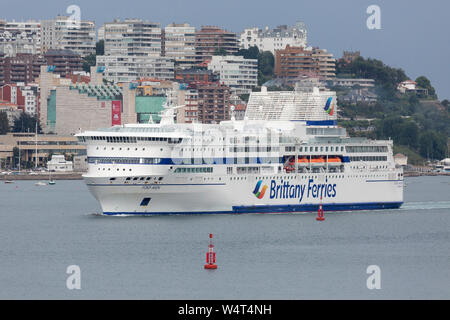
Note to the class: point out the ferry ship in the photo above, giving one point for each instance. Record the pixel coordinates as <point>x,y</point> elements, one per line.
<point>287,155</point>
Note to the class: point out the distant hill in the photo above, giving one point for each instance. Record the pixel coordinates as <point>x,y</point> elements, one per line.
<point>419,125</point>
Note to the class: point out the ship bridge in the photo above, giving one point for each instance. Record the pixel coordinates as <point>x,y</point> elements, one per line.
<point>303,104</point>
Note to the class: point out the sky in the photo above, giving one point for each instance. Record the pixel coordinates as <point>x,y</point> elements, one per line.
<point>414,34</point>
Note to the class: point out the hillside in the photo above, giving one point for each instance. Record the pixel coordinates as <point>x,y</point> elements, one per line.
<point>418,124</point>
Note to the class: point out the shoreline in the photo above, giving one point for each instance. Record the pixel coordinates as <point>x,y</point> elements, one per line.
<point>55,176</point>
<point>420,174</point>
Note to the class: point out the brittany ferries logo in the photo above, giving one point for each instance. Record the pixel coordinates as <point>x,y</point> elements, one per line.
<point>257,193</point>
<point>287,190</point>
<point>329,106</point>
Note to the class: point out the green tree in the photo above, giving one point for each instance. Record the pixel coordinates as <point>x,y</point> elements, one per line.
<point>26,123</point>
<point>220,52</point>
<point>100,48</point>
<point>424,83</point>
<point>88,62</point>
<point>432,145</point>
<point>4,123</point>
<point>250,53</point>
<point>266,64</point>
<point>408,134</point>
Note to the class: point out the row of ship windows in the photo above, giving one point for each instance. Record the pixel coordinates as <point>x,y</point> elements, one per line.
<point>194,170</point>
<point>118,160</point>
<point>369,158</point>
<point>350,149</point>
<point>129,139</point>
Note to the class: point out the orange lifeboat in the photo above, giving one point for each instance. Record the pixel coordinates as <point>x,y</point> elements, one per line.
<point>318,161</point>
<point>302,161</point>
<point>334,161</point>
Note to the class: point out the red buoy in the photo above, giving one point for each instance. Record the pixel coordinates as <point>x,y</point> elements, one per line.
<point>210,255</point>
<point>320,213</point>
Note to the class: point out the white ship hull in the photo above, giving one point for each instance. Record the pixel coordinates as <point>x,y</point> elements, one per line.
<point>358,193</point>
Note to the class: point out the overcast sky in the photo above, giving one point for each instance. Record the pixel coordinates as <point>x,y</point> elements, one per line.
<point>414,34</point>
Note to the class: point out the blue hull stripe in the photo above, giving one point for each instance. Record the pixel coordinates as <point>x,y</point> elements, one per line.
<point>284,208</point>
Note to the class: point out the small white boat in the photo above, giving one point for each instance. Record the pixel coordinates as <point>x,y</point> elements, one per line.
<point>9,181</point>
<point>40,183</point>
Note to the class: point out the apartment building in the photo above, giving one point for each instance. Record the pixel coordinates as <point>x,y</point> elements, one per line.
<point>26,97</point>
<point>209,39</point>
<point>124,68</point>
<point>132,37</point>
<point>189,112</point>
<point>65,33</point>
<point>179,44</point>
<point>293,61</point>
<point>239,74</point>
<point>63,62</point>
<point>274,39</point>
<point>20,37</point>
<point>213,102</point>
<point>22,68</point>
<point>195,75</point>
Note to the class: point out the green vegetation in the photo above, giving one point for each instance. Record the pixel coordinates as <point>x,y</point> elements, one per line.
<point>266,62</point>
<point>100,48</point>
<point>220,52</point>
<point>26,123</point>
<point>91,60</point>
<point>419,125</point>
<point>424,83</point>
<point>4,124</point>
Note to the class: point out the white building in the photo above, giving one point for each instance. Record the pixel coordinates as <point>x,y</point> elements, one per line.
<point>30,94</point>
<point>349,82</point>
<point>20,37</point>
<point>132,37</point>
<point>179,44</point>
<point>400,159</point>
<point>274,39</point>
<point>124,68</point>
<point>66,33</point>
<point>240,74</point>
<point>59,163</point>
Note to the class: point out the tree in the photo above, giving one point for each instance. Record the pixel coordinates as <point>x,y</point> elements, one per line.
<point>250,53</point>
<point>432,145</point>
<point>424,83</point>
<point>100,48</point>
<point>266,64</point>
<point>220,52</point>
<point>88,62</point>
<point>26,123</point>
<point>4,123</point>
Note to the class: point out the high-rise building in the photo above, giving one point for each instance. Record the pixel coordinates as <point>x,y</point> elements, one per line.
<point>213,102</point>
<point>240,74</point>
<point>274,39</point>
<point>132,37</point>
<point>291,62</point>
<point>64,62</point>
<point>2,69</point>
<point>23,68</point>
<point>209,40</point>
<point>179,44</point>
<point>20,37</point>
<point>68,34</point>
<point>122,68</point>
